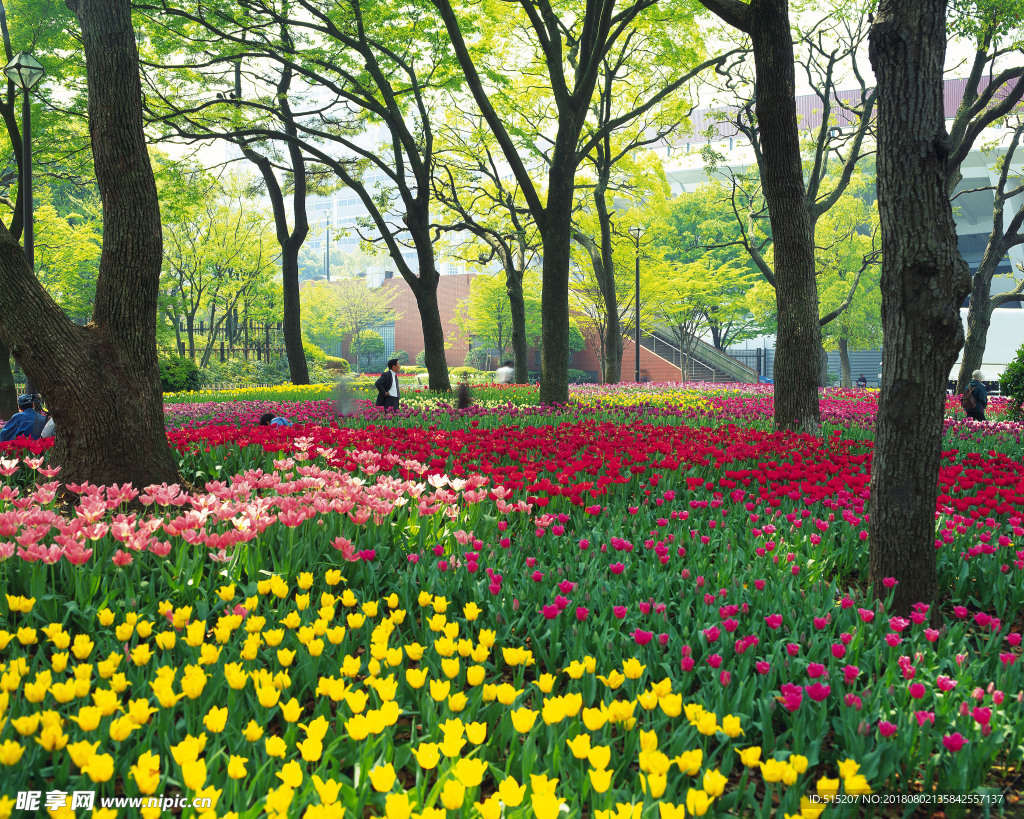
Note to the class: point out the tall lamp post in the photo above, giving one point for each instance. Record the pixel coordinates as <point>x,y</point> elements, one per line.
<point>637,231</point>
<point>25,71</point>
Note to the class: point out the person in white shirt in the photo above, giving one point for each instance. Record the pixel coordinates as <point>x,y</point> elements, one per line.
<point>387,386</point>
<point>505,374</point>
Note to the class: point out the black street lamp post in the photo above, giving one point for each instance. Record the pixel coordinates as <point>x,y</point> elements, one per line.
<point>636,232</point>
<point>25,72</point>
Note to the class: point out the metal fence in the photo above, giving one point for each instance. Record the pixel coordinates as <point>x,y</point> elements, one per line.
<point>761,359</point>
<point>246,340</point>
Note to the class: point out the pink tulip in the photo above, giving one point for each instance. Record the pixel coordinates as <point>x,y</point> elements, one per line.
<point>954,742</point>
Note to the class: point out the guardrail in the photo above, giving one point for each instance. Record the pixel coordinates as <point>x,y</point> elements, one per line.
<point>710,354</point>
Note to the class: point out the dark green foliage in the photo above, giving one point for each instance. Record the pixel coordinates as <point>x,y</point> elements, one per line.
<point>477,358</point>
<point>421,358</point>
<point>179,374</point>
<point>1011,384</point>
<point>578,377</point>
<point>401,355</point>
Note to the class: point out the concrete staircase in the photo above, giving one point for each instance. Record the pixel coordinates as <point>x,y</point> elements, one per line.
<point>706,363</point>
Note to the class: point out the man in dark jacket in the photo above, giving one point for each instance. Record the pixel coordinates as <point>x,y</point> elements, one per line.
<point>980,396</point>
<point>24,422</point>
<point>387,386</point>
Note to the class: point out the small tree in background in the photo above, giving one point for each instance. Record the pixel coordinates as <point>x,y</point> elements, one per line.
<point>366,346</point>
<point>331,310</point>
<point>1011,384</point>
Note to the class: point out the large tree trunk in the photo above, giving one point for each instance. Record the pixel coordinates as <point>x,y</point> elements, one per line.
<point>844,364</point>
<point>8,392</point>
<point>556,230</point>
<point>514,288</point>
<point>799,334</point>
<point>605,275</point>
<point>433,335</point>
<point>190,329</point>
<point>924,281</point>
<point>292,311</point>
<point>102,381</point>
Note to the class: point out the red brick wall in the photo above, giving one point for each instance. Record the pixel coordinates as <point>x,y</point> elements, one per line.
<point>652,367</point>
<point>409,330</point>
<point>451,290</point>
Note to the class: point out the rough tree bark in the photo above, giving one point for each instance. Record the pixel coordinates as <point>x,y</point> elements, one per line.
<point>844,364</point>
<point>8,392</point>
<point>799,334</point>
<point>924,281</point>
<point>102,381</point>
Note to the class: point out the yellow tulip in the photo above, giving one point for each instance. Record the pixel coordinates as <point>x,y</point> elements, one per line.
<point>633,669</point>
<point>291,774</point>
<point>750,757</point>
<point>697,802</point>
<point>476,732</point>
<point>714,782</point>
<point>655,783</point>
<point>600,779</point>
<point>490,808</point>
<point>427,755</point>
<point>599,756</point>
<point>193,774</point>
<point>580,746</point>
<point>523,719</point>
<point>546,805</point>
<point>470,772</point>
<point>439,690</point>
<point>511,792</point>
<point>453,794</point>
<point>236,767</point>
<point>382,778</point>
<point>10,752</point>
<point>398,806</point>
<point>99,768</point>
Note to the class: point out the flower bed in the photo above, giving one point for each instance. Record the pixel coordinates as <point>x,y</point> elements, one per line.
<point>405,620</point>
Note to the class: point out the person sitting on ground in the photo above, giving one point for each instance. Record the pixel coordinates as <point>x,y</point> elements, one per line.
<point>862,382</point>
<point>268,419</point>
<point>24,423</point>
<point>980,396</point>
<point>387,386</point>
<point>505,374</point>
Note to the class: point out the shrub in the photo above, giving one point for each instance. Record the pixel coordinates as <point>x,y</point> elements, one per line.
<point>578,377</point>
<point>340,365</point>
<point>178,374</point>
<point>313,353</point>
<point>402,356</point>
<point>412,370</point>
<point>459,372</point>
<point>421,358</point>
<point>1011,384</point>
<point>477,358</point>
